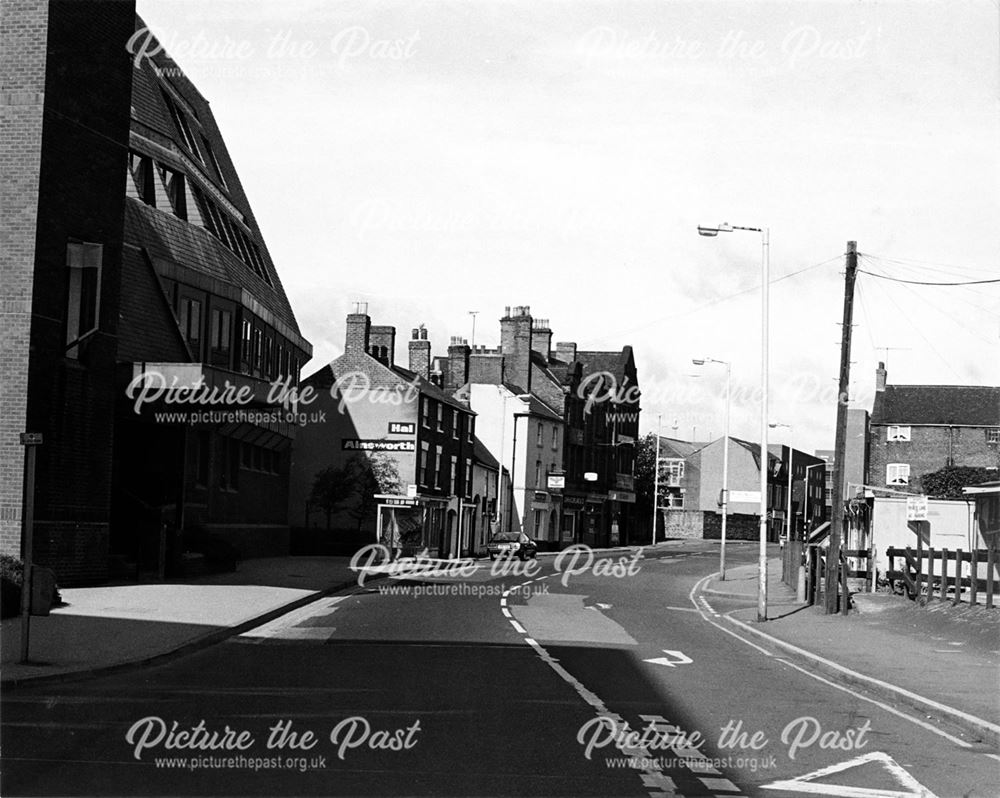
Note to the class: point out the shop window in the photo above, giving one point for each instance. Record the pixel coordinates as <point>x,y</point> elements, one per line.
<point>83,301</point>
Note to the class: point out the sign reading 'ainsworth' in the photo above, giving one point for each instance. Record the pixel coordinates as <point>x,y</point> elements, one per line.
<point>356,444</point>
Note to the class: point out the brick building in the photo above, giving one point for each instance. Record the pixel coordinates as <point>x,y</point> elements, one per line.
<point>144,259</point>
<point>584,421</point>
<point>691,477</point>
<point>375,409</point>
<point>919,429</point>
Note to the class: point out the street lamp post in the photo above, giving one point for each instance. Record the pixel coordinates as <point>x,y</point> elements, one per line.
<point>725,463</point>
<point>765,238</point>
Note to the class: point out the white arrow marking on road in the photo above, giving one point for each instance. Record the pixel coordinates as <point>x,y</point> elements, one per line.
<point>673,658</point>
<point>807,784</point>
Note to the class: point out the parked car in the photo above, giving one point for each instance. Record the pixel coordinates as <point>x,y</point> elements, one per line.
<point>507,544</point>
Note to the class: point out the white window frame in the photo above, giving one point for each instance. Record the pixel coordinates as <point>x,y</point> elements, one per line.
<point>440,417</point>
<point>674,471</point>
<point>897,474</point>
<point>898,433</point>
<point>993,435</point>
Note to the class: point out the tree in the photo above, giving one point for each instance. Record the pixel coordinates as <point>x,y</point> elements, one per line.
<point>332,488</point>
<point>377,473</point>
<point>947,482</point>
<point>645,470</point>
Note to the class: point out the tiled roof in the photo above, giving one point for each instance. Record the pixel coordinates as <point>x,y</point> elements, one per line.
<point>482,455</point>
<point>535,405</point>
<point>379,376</point>
<point>151,119</point>
<point>611,362</point>
<point>965,405</point>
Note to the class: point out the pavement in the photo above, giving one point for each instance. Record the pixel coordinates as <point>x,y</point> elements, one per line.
<point>939,660</point>
<point>102,629</point>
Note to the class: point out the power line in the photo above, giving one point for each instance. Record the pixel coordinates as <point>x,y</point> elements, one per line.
<point>921,334</point>
<point>928,264</point>
<point>924,282</point>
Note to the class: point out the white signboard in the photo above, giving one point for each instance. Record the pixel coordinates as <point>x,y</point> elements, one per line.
<point>916,508</point>
<point>745,496</point>
<point>556,481</point>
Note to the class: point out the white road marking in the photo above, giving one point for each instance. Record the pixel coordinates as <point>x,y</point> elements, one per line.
<point>806,785</point>
<point>673,659</point>
<point>817,677</point>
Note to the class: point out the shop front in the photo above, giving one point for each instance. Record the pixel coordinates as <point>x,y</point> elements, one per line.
<point>411,525</point>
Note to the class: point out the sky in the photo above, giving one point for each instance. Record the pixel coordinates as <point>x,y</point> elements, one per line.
<point>438,158</point>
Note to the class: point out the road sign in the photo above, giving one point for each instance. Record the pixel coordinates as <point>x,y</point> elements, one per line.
<point>672,659</point>
<point>31,439</point>
<point>746,496</point>
<point>807,784</point>
<point>916,508</point>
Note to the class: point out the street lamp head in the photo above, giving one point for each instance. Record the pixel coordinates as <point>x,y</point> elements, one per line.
<point>698,362</point>
<point>709,232</point>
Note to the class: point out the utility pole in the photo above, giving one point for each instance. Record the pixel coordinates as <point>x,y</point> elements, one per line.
<point>840,443</point>
<point>656,478</point>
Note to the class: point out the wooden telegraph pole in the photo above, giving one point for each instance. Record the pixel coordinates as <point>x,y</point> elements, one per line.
<point>840,444</point>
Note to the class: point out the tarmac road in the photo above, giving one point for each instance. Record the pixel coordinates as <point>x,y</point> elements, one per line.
<point>485,685</point>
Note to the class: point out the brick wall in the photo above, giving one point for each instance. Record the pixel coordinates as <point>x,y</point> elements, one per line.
<point>682,524</point>
<point>739,526</point>
<point>23,35</point>
<point>928,450</point>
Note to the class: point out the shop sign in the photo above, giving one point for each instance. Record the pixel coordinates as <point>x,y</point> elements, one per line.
<point>622,496</point>
<point>402,428</point>
<point>399,501</point>
<point>357,445</point>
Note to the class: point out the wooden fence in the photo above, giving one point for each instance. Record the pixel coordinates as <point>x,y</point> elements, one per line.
<point>920,584</point>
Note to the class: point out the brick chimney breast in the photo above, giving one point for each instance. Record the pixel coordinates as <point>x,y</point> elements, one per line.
<point>420,352</point>
<point>358,333</point>
<point>881,375</point>
<point>566,351</point>
<point>382,344</point>
<point>515,344</point>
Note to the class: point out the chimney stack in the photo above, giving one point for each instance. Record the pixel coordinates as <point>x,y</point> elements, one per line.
<point>420,352</point>
<point>566,351</point>
<point>358,329</point>
<point>541,338</point>
<point>515,345</point>
<point>382,344</point>
<point>458,363</point>
<point>880,377</point>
